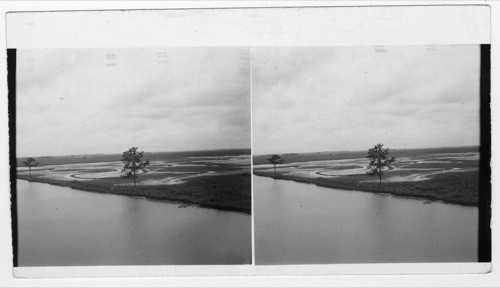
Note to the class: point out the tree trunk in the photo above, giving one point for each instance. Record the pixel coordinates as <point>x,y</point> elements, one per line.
<point>134,178</point>
<point>274,170</point>
<point>379,176</point>
<point>30,173</point>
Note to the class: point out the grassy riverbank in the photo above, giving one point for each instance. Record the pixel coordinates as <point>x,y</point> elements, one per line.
<point>456,188</point>
<point>216,192</point>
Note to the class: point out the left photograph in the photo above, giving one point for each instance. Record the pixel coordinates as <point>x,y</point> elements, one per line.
<point>132,156</point>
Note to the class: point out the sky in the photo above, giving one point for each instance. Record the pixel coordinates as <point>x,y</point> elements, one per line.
<point>312,99</point>
<point>86,101</point>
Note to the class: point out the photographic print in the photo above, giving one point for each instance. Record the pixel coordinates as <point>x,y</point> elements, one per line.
<point>366,154</point>
<point>229,142</point>
<point>135,156</point>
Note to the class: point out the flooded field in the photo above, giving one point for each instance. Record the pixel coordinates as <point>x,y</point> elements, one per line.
<point>450,175</point>
<point>219,179</point>
<point>159,172</point>
<point>406,169</point>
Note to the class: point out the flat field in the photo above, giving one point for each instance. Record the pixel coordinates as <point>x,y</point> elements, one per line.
<point>446,174</point>
<point>218,179</point>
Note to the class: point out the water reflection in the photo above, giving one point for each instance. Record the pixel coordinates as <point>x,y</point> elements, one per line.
<point>58,226</point>
<point>298,223</point>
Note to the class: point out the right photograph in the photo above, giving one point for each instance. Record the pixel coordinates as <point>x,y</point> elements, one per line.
<point>366,154</point>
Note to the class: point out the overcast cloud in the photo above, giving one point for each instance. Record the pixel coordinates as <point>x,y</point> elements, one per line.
<point>311,99</point>
<point>104,101</point>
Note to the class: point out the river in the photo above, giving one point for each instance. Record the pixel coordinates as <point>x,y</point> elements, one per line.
<point>297,223</point>
<point>60,226</point>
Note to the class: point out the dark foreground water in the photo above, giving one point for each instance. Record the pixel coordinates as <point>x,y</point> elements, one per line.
<point>59,226</point>
<point>298,223</point>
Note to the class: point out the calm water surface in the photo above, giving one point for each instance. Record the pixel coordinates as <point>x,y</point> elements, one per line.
<point>298,223</point>
<point>59,226</point>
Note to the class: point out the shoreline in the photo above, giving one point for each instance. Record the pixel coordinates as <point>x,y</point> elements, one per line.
<point>137,193</point>
<point>325,183</point>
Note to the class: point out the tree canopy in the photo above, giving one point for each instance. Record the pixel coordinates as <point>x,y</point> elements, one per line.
<point>133,163</point>
<point>31,162</point>
<point>379,159</point>
<point>275,159</point>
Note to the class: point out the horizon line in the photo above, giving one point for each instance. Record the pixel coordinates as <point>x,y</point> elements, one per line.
<point>249,148</point>
<point>175,151</point>
<point>327,151</point>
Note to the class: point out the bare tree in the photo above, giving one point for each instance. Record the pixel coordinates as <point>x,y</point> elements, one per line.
<point>133,163</point>
<point>275,159</point>
<point>31,162</point>
<point>378,160</point>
